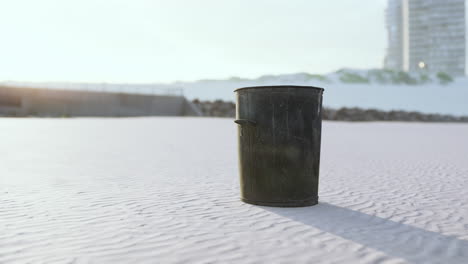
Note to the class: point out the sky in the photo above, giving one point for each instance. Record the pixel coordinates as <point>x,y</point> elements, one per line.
<point>185,40</point>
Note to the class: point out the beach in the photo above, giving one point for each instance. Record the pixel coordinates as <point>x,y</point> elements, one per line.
<point>166,190</point>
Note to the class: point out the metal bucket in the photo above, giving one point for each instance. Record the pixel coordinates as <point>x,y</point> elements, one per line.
<point>279,132</point>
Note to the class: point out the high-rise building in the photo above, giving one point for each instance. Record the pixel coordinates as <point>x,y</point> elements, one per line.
<point>394,21</point>
<point>426,35</point>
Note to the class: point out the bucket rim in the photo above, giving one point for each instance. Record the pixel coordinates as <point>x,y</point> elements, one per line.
<point>281,86</point>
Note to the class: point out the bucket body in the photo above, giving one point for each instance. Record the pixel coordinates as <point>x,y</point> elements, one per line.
<point>279,134</point>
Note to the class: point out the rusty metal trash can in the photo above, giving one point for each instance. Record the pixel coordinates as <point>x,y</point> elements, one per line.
<point>279,135</point>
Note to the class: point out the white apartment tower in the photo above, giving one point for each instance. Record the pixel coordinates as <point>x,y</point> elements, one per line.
<point>426,35</point>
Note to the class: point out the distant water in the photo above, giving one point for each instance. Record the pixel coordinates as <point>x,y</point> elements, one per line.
<point>433,98</point>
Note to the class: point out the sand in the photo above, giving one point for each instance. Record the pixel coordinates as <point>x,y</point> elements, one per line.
<point>165,190</point>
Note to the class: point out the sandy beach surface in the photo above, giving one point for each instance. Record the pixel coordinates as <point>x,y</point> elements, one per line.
<point>165,190</point>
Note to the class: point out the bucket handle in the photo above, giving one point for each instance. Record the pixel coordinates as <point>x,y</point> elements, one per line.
<point>245,122</point>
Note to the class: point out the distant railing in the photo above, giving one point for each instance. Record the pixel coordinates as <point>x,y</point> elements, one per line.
<point>148,89</point>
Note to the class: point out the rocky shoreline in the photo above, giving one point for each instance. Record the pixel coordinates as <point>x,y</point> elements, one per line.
<point>220,108</point>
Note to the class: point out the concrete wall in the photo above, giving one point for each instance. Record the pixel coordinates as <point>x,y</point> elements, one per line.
<point>50,102</point>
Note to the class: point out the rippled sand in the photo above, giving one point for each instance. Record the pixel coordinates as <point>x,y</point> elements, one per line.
<point>165,190</point>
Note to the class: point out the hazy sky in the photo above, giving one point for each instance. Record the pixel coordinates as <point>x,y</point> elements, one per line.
<point>168,40</point>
